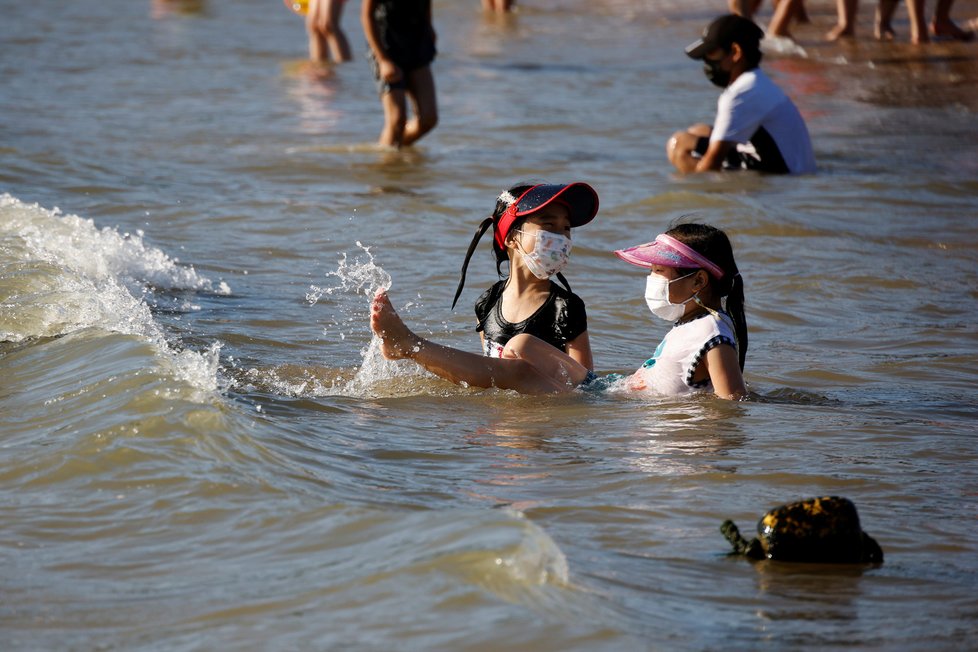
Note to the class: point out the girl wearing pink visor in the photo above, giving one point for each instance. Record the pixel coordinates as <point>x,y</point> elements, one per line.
<point>531,228</point>
<point>693,282</point>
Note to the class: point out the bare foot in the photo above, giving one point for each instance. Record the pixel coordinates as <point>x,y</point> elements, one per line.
<point>884,31</point>
<point>396,339</point>
<point>948,30</point>
<point>916,38</point>
<point>840,31</point>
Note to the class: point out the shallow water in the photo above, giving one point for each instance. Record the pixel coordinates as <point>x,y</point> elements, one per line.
<point>203,448</point>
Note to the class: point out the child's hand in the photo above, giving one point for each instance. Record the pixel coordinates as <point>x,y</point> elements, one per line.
<point>636,382</point>
<point>389,71</point>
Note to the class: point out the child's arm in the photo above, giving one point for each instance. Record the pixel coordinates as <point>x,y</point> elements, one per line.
<point>579,348</point>
<point>389,71</point>
<point>723,367</point>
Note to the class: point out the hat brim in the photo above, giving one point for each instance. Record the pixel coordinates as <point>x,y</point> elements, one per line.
<point>652,254</point>
<point>580,199</point>
<point>699,48</point>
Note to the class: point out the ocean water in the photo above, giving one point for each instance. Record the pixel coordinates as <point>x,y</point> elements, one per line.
<point>201,447</point>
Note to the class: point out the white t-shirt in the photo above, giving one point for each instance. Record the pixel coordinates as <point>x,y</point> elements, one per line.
<point>670,369</point>
<point>754,112</point>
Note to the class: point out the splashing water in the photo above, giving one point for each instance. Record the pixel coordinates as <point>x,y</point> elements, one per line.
<point>355,278</point>
<point>359,277</point>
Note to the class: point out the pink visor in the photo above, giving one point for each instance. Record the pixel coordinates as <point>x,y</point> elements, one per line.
<point>668,252</point>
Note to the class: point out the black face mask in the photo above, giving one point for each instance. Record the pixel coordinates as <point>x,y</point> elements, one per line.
<point>715,74</point>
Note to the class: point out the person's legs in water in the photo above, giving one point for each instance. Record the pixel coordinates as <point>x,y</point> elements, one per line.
<point>395,117</point>
<point>421,89</point>
<point>325,33</point>
<point>943,27</point>
<point>884,20</point>
<point>783,13</point>
<point>846,25</point>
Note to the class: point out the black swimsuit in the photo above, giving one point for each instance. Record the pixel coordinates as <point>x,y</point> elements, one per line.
<point>559,320</point>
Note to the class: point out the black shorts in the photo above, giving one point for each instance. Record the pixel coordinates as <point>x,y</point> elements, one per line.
<point>738,159</point>
<point>384,87</point>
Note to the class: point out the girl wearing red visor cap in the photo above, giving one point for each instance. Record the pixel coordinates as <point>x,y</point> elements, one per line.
<point>691,271</point>
<point>531,228</point>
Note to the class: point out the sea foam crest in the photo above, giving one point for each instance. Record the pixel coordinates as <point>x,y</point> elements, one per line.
<point>60,274</point>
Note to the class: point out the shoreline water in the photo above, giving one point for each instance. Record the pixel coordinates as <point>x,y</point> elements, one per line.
<point>203,450</point>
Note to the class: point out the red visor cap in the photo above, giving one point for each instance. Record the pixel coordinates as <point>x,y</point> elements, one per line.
<point>580,198</point>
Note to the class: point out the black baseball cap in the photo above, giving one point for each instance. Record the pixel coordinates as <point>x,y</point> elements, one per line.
<point>724,32</point>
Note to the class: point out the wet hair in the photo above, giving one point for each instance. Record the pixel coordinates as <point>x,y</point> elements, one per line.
<point>714,244</point>
<point>500,253</point>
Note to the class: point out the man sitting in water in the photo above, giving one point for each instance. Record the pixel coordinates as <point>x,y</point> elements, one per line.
<point>757,126</point>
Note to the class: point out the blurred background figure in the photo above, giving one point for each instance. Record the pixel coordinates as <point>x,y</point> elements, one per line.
<point>326,37</point>
<point>164,8</point>
<point>498,6</point>
<point>402,46</point>
<point>784,12</point>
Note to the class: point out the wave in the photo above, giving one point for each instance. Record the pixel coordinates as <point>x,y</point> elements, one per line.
<point>61,274</point>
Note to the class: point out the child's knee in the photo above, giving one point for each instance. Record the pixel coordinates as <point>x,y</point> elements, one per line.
<point>517,347</point>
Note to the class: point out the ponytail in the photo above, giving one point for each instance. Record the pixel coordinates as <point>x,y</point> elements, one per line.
<point>486,223</point>
<point>734,307</point>
<point>503,202</point>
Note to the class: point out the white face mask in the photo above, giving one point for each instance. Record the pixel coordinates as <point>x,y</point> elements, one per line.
<point>549,256</point>
<point>657,297</point>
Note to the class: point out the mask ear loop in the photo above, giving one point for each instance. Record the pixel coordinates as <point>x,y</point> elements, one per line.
<point>717,315</point>
<point>486,223</point>
<point>563,281</point>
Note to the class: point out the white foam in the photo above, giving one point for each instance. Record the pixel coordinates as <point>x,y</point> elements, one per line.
<point>784,45</point>
<point>60,274</point>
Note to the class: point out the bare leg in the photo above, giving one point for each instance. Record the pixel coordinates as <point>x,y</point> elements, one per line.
<point>323,28</point>
<point>497,6</point>
<point>943,26</point>
<point>884,19</point>
<point>517,373</point>
<point>846,26</point>
<point>421,85</point>
<point>395,118</point>
<point>745,8</point>
<point>918,21</point>
<point>782,18</point>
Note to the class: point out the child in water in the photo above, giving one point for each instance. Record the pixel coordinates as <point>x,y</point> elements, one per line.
<point>531,228</point>
<point>691,271</point>
<point>402,46</point>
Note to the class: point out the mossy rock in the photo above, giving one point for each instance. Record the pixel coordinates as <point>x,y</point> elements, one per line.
<point>815,530</point>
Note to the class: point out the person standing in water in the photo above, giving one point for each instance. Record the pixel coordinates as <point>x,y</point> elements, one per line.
<point>693,281</point>
<point>531,227</point>
<point>498,6</point>
<point>784,12</point>
<point>941,26</point>
<point>757,126</point>
<point>326,37</point>
<point>401,38</point>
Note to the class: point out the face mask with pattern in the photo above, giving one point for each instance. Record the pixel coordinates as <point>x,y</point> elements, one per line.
<point>550,254</point>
